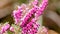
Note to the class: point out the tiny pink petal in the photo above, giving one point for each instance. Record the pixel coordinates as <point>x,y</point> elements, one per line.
<point>12,29</point>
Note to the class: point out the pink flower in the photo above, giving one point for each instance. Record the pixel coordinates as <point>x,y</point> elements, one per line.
<point>28,23</point>
<point>12,29</point>
<point>5,28</point>
<point>35,2</point>
<point>35,11</point>
<point>17,14</point>
<point>45,30</point>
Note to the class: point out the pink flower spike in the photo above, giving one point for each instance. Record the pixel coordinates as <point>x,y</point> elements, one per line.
<point>12,29</point>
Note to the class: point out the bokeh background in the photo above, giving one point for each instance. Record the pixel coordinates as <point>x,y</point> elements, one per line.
<point>50,17</point>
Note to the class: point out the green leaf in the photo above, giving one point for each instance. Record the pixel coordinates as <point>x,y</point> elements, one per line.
<point>22,1</point>
<point>9,32</point>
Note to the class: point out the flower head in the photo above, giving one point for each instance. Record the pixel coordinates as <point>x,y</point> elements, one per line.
<point>12,29</point>
<point>5,28</point>
<point>29,23</point>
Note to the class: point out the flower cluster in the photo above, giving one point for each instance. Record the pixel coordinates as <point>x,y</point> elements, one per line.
<point>31,28</point>
<point>28,22</point>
